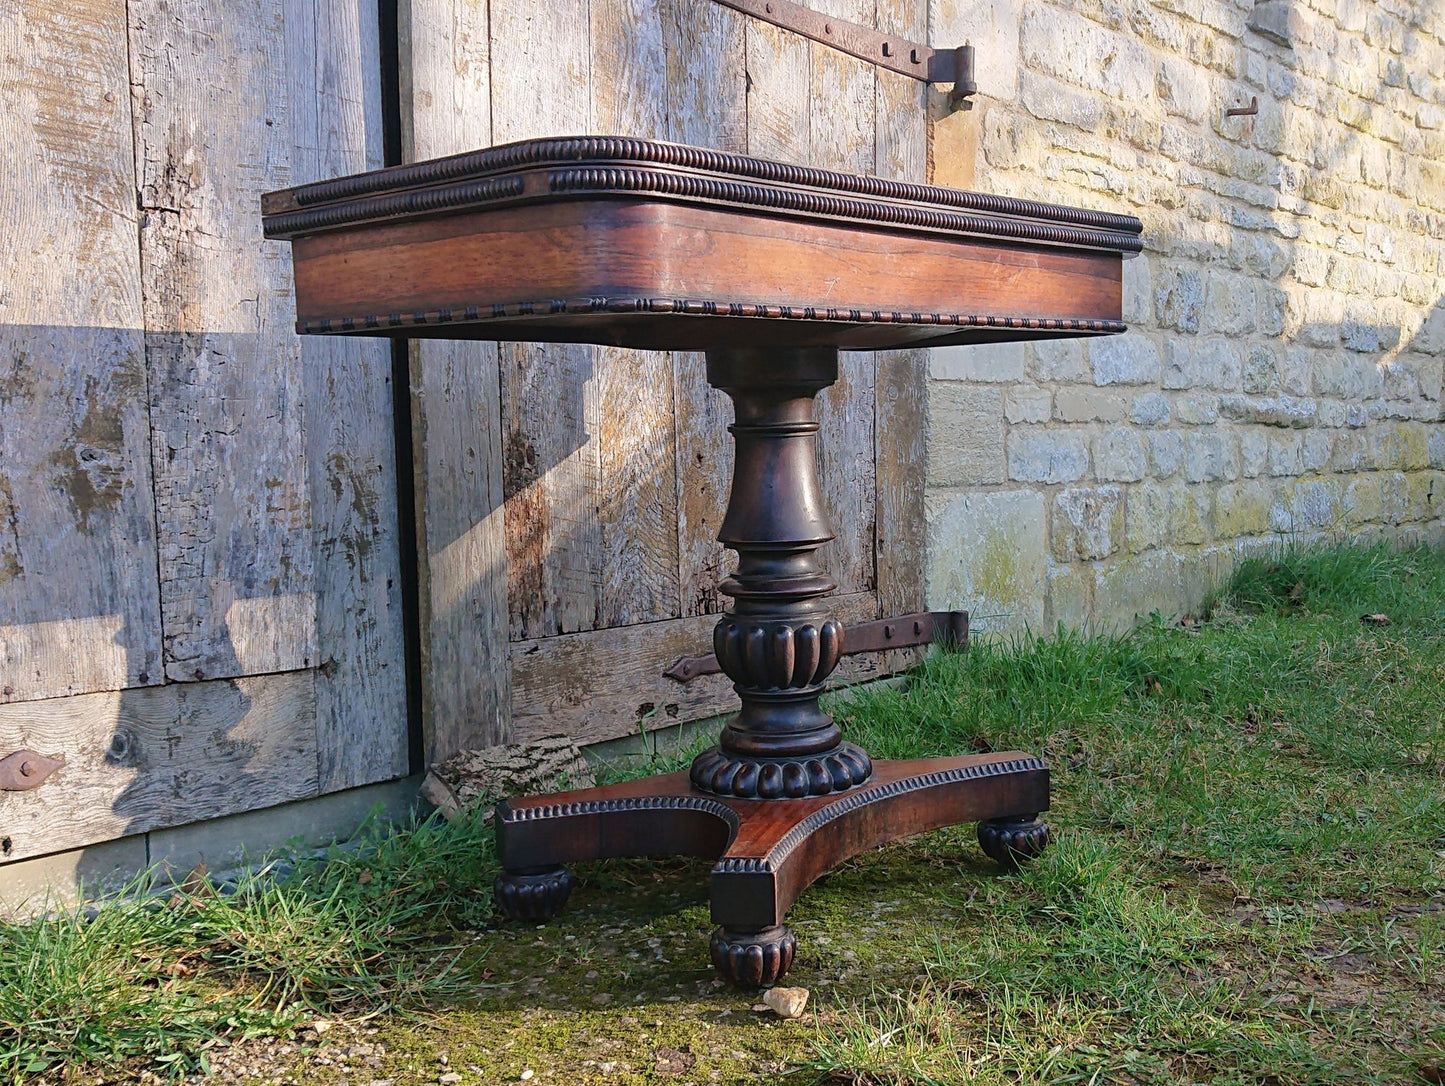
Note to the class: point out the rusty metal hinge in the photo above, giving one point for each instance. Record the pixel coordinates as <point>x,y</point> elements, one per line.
<point>24,770</point>
<point>885,50</point>
<point>903,632</point>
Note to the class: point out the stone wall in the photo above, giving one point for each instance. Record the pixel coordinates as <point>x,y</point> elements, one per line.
<point>1282,374</point>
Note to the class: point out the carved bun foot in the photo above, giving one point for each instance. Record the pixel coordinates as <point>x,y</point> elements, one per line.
<point>538,896</point>
<point>724,774</point>
<point>753,959</point>
<point>1011,841</point>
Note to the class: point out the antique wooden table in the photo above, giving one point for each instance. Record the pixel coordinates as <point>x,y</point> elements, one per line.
<point>770,269</point>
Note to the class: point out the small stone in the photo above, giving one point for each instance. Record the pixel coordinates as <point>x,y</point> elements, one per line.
<point>527,1073</point>
<point>449,1077</point>
<point>320,1026</point>
<point>786,1002</point>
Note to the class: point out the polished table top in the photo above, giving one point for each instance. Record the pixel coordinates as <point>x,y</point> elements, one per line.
<point>638,243</point>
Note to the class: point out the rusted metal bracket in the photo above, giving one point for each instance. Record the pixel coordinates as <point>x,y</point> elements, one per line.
<point>885,50</point>
<point>905,631</point>
<point>24,770</point>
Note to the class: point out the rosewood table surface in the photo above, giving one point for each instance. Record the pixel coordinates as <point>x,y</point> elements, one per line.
<point>770,269</point>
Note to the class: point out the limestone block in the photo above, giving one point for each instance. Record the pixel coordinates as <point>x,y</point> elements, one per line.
<point>1424,495</point>
<point>1308,505</point>
<point>1362,500</point>
<point>1129,589</point>
<point>1215,363</point>
<point>1436,448</point>
<point>1253,453</point>
<point>1049,100</point>
<point>1286,411</point>
<point>1166,452</point>
<point>992,27</point>
<point>1281,21</point>
<point>1036,455</point>
<point>977,362</point>
<point>1261,370</point>
<point>1286,454</point>
<point>1120,455</point>
<point>1230,306</point>
<point>1130,359</point>
<point>1069,594</point>
<point>1183,88</point>
<point>1022,404</point>
<point>1089,405</point>
<point>986,553</point>
<point>1149,409</point>
<point>1175,514</point>
<point>1347,376</point>
<point>1058,360</point>
<point>1179,299</point>
<point>1242,509</point>
<point>1076,50</point>
<point>1138,285</point>
<point>965,434</point>
<point>1351,453</point>
<point>1211,455</point>
<point>1088,522</point>
<point>1316,447</point>
<point>1197,409</point>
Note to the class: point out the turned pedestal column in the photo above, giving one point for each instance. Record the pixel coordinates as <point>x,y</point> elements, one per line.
<point>778,641</point>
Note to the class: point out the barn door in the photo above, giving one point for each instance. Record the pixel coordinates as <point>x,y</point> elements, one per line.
<point>199,570</point>
<point>569,497</point>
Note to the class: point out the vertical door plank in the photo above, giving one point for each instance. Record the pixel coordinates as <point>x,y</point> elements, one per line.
<point>707,107</point>
<point>900,438</point>
<point>361,714</point>
<point>637,470</point>
<point>542,86</point>
<point>225,369</point>
<point>841,137</point>
<point>456,411</point>
<point>79,600</point>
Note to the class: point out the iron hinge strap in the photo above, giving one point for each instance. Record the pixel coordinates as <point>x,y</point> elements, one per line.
<point>889,51</point>
<point>902,632</point>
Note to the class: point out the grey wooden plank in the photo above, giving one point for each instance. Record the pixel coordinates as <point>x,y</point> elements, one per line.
<point>225,370</point>
<point>707,107</point>
<point>361,709</point>
<point>446,107</point>
<point>542,85</point>
<point>900,427</point>
<point>841,134</point>
<point>604,684</point>
<point>636,494</point>
<point>79,599</point>
<point>159,756</point>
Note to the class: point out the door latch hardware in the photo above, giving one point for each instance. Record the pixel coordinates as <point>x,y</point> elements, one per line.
<point>885,50</point>
<point>24,770</point>
<point>905,631</point>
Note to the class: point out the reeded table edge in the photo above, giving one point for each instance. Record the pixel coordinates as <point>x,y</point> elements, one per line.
<point>570,168</point>
<point>481,314</point>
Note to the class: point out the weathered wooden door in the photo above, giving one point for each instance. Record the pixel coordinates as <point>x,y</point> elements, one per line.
<point>569,497</point>
<point>199,573</point>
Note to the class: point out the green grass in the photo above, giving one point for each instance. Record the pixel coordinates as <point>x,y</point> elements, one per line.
<point>1248,886</point>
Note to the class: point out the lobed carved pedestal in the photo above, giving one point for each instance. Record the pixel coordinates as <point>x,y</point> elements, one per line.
<point>783,797</point>
<point>771,269</point>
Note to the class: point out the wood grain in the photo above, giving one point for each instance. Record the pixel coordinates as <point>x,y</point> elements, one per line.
<point>900,419</point>
<point>446,107</point>
<point>841,91</point>
<point>636,494</point>
<point>159,756</point>
<point>708,107</point>
<point>542,85</point>
<point>79,602</point>
<point>361,712</point>
<point>604,684</point>
<point>225,371</point>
